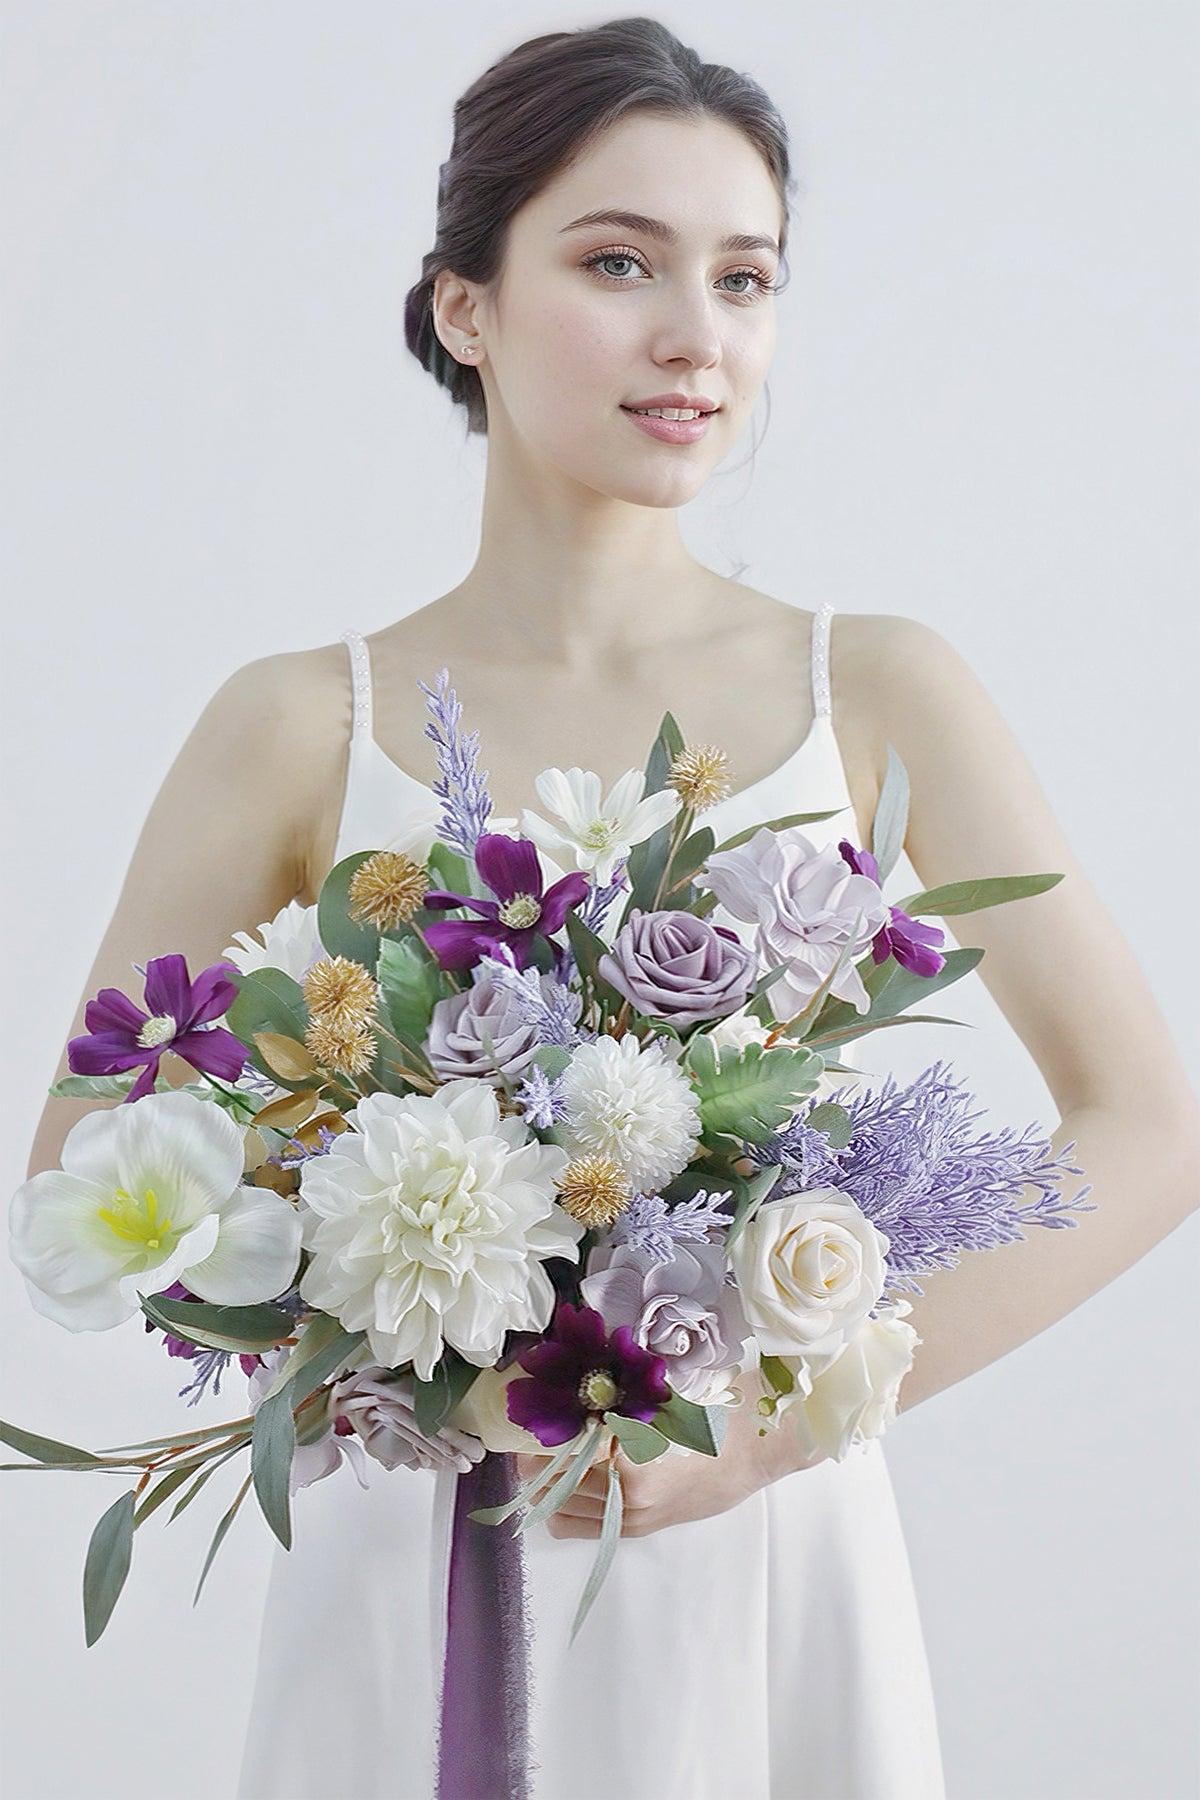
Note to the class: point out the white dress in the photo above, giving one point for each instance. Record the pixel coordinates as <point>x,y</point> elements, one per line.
<point>770,1652</point>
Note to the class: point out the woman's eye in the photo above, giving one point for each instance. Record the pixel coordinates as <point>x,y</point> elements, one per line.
<point>761,280</point>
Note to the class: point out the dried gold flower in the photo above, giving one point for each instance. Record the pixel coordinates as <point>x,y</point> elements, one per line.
<point>387,889</point>
<point>700,776</point>
<point>341,993</point>
<point>350,1050</point>
<point>594,1190</point>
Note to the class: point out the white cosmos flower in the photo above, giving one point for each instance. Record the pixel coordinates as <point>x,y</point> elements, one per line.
<point>597,833</point>
<point>429,1223</point>
<point>149,1193</point>
<point>630,1101</point>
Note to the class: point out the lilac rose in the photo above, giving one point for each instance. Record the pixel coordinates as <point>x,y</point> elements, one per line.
<point>684,1310</point>
<point>482,1032</point>
<point>677,967</point>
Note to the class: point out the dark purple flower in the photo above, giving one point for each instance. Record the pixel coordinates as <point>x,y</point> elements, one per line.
<point>120,1035</point>
<point>520,913</point>
<point>578,1372</point>
<point>908,940</point>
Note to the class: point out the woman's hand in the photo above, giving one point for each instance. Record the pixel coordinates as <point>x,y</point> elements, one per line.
<point>675,1488</point>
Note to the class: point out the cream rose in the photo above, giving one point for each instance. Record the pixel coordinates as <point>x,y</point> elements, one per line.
<point>809,1268</point>
<point>853,1396</point>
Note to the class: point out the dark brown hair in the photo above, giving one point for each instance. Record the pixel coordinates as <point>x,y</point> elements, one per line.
<point>535,111</point>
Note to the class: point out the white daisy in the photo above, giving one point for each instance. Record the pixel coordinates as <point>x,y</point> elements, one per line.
<point>632,1103</point>
<point>598,834</point>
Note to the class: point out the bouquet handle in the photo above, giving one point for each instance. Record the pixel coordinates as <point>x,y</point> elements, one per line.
<point>481,1635</point>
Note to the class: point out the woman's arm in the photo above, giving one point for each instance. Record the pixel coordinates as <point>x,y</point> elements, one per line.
<point>1071,987</point>
<point>222,849</point>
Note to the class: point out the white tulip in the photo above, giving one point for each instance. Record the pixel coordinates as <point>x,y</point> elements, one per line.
<point>149,1193</point>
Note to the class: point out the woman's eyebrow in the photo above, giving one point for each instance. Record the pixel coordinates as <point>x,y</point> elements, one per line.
<point>658,228</point>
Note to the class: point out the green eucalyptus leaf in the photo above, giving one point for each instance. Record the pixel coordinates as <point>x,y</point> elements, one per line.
<point>99,1087</point>
<point>248,1329</point>
<point>890,989</point>
<point>340,934</point>
<point>750,1196</point>
<point>44,1450</point>
<point>108,1557</point>
<point>552,1059</point>
<point>434,1400</point>
<point>783,823</point>
<point>269,1000</point>
<point>610,1535</point>
<point>690,1425</point>
<point>640,1442</point>
<point>890,825</point>
<point>974,896</point>
<point>833,1120</point>
<point>447,869</point>
<point>219,1534</point>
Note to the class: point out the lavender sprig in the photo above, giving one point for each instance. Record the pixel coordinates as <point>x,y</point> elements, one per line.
<point>920,1175</point>
<point>462,789</point>
<point>598,900</point>
<point>540,1098</point>
<point>555,1016</point>
<point>649,1224</point>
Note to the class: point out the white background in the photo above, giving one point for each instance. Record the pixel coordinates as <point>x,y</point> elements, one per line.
<point>983,415</point>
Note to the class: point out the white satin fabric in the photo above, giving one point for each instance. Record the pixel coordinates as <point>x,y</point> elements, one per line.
<point>770,1652</point>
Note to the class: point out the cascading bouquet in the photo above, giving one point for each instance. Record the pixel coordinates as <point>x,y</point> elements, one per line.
<point>523,1140</point>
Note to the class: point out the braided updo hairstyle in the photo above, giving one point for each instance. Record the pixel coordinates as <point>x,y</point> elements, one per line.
<point>535,111</point>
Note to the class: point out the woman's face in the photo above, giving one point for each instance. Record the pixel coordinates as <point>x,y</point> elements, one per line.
<point>589,319</point>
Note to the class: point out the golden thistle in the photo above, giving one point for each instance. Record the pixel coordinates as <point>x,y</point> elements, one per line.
<point>341,994</point>
<point>700,776</point>
<point>387,889</point>
<point>349,1050</point>
<point>594,1190</point>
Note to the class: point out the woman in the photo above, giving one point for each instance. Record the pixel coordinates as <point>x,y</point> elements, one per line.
<point>612,229</point>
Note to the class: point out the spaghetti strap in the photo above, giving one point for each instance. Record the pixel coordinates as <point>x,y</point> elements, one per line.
<point>822,618</point>
<point>360,675</point>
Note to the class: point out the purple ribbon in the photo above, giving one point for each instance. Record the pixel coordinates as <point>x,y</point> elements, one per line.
<point>483,1748</point>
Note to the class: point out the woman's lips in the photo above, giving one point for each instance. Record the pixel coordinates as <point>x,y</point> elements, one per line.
<point>670,431</point>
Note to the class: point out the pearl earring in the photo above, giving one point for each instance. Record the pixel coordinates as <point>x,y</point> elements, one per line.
<point>468,349</point>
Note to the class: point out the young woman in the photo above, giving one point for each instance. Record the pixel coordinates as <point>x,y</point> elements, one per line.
<point>612,228</point>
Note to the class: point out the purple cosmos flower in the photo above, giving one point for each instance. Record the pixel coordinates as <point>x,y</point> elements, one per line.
<point>908,940</point>
<point>519,914</point>
<point>120,1035</point>
<point>577,1372</point>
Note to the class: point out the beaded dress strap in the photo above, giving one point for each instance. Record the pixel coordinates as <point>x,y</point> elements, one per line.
<point>360,674</point>
<point>822,703</point>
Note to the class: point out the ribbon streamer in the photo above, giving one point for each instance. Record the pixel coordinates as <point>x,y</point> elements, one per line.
<point>482,1637</point>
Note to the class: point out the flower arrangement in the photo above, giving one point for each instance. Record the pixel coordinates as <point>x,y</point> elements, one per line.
<point>488,1152</point>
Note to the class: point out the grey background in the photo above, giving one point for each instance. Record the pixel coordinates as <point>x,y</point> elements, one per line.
<point>983,414</point>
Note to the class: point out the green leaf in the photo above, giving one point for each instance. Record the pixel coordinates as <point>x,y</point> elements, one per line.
<point>272,1446</point>
<point>321,1330</point>
<point>552,1058</point>
<point>781,824</point>
<point>587,949</point>
<point>340,934</point>
<point>610,1533</point>
<point>411,985</point>
<point>251,1329</point>
<point>696,1427</point>
<point>107,1565</point>
<point>857,1031</point>
<point>750,1196</point>
<point>974,896</point>
<point>219,1534</point>
<point>201,1479</point>
<point>100,1087</point>
<point>268,1000</point>
<point>434,1400</point>
<point>44,1450</point>
<point>640,1442</point>
<point>890,825</point>
<point>747,1093</point>
<point>890,988</point>
<point>648,860</point>
<point>833,1120</point>
<point>567,1482</point>
<point>690,854</point>
<point>495,1515</point>
<point>447,869</point>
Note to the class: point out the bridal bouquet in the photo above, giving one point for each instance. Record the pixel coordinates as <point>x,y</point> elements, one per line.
<point>525,1140</point>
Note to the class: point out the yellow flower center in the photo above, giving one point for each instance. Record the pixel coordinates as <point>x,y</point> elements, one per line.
<point>600,834</point>
<point>598,1390</point>
<point>158,1030</point>
<point>520,912</point>
<point>137,1221</point>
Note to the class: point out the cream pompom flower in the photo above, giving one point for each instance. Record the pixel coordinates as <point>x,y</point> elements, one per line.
<point>149,1194</point>
<point>630,1102</point>
<point>429,1223</point>
<point>597,833</point>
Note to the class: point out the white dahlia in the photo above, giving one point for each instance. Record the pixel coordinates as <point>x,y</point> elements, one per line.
<point>629,1101</point>
<point>290,942</point>
<point>428,1225</point>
